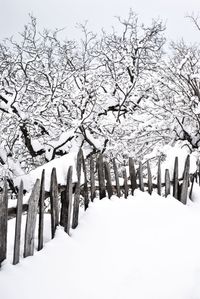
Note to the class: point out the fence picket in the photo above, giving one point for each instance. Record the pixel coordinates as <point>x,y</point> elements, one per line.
<point>150,185</point>
<point>175,179</point>
<point>108,179</point>
<point>92,180</point>
<point>184,189</point>
<point>86,197</point>
<point>125,183</point>
<point>167,182</point>
<point>54,202</point>
<point>31,220</point>
<point>41,211</point>
<point>159,182</point>
<point>101,177</point>
<point>3,222</point>
<point>191,188</point>
<point>68,200</point>
<point>140,172</point>
<point>18,225</point>
<point>77,191</point>
<point>132,174</point>
<point>116,178</point>
<point>199,172</point>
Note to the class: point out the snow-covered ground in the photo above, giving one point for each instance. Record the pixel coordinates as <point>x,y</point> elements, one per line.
<point>145,247</point>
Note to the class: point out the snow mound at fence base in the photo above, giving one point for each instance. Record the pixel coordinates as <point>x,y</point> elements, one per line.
<point>145,247</point>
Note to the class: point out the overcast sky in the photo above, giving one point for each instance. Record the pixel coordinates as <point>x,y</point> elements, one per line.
<point>66,13</point>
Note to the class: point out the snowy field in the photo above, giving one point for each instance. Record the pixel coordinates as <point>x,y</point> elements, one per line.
<point>145,247</point>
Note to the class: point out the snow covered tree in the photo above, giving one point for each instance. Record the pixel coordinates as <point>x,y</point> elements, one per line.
<point>56,95</point>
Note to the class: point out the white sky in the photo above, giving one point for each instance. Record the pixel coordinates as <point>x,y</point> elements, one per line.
<point>66,13</point>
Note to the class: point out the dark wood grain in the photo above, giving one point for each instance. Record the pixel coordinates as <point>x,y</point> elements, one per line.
<point>116,178</point>
<point>31,220</point>
<point>184,189</point>
<point>140,174</point>
<point>101,177</point>
<point>108,179</point>
<point>132,174</point>
<point>18,225</point>
<point>125,183</point>
<point>167,182</point>
<point>175,179</point>
<point>3,222</point>
<point>150,185</point>
<point>41,212</point>
<point>77,191</point>
<point>159,183</point>
<point>85,187</point>
<point>92,179</point>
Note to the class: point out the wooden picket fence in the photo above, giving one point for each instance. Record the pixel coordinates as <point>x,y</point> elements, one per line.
<point>65,200</point>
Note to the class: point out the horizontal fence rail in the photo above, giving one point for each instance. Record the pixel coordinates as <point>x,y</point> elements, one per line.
<point>101,179</point>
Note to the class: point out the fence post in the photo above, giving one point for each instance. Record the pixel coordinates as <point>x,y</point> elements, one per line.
<point>159,183</point>
<point>67,203</point>
<point>3,222</point>
<point>184,189</point>
<point>54,202</point>
<point>92,180</point>
<point>175,179</point>
<point>100,168</point>
<point>150,185</point>
<point>125,183</point>
<point>18,225</point>
<point>77,191</point>
<point>41,211</point>
<point>116,178</point>
<point>31,220</point>
<point>140,172</point>
<point>167,182</point>
<point>86,198</point>
<point>132,175</point>
<point>108,179</point>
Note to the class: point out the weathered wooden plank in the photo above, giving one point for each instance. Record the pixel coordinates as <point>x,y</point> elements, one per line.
<point>3,222</point>
<point>159,180</point>
<point>132,174</point>
<point>199,172</point>
<point>31,220</point>
<point>175,179</point>
<point>116,178</point>
<point>41,211</point>
<point>150,185</point>
<point>18,225</point>
<point>77,191</point>
<point>140,174</point>
<point>92,180</point>
<point>184,189</point>
<point>86,196</point>
<point>68,200</point>
<point>167,182</point>
<point>108,179</point>
<point>125,183</point>
<point>101,177</point>
<point>192,185</point>
<point>54,202</point>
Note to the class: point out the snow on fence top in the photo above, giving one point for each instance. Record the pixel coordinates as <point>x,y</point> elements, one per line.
<point>61,164</point>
